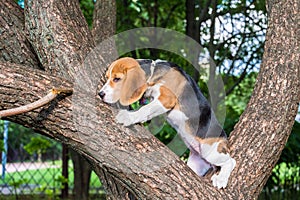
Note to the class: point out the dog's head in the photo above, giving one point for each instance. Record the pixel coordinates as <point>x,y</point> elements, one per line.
<point>126,82</point>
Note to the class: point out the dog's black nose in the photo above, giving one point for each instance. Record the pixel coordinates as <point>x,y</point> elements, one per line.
<point>101,94</point>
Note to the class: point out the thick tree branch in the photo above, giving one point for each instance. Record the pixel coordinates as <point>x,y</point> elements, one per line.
<point>65,42</point>
<point>59,34</point>
<point>14,46</point>
<point>270,114</point>
<point>104,20</point>
<point>135,158</point>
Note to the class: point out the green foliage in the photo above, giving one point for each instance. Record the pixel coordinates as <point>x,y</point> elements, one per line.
<point>46,178</point>
<point>291,152</point>
<point>242,92</point>
<point>2,146</point>
<point>1,135</point>
<point>1,126</point>
<point>61,180</point>
<point>20,136</point>
<point>37,145</point>
<point>87,7</point>
<point>167,14</point>
<point>17,183</point>
<point>162,130</point>
<point>237,101</point>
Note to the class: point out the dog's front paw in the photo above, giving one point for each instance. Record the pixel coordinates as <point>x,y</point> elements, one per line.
<point>219,181</point>
<point>124,117</point>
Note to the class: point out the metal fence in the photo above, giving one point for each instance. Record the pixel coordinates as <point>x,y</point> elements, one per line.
<point>32,164</point>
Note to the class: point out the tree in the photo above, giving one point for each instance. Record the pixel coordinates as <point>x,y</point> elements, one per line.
<point>56,34</point>
<point>231,31</point>
<point>37,145</point>
<point>103,27</point>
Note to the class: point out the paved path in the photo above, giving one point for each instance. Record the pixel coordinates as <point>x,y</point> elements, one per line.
<point>14,167</point>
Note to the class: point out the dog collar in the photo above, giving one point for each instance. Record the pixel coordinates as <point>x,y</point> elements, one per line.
<point>152,67</point>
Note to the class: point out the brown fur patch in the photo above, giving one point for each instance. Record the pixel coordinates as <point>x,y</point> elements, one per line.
<point>167,98</point>
<point>137,94</point>
<point>151,84</point>
<point>174,81</point>
<point>123,64</point>
<point>209,141</point>
<point>222,146</point>
<point>120,66</point>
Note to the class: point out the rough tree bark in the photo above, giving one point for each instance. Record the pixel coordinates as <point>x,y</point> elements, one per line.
<point>12,35</point>
<point>104,20</point>
<point>56,54</point>
<point>130,161</point>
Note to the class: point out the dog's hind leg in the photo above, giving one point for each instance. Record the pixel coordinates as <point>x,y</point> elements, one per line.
<point>217,154</point>
<point>198,164</point>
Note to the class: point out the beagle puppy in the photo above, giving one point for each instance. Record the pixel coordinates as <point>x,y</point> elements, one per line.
<point>176,94</point>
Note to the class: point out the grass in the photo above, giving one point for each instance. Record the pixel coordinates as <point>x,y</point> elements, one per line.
<point>48,181</point>
<point>45,179</point>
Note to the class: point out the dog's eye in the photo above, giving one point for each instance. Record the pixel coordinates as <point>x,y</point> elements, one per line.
<point>116,79</point>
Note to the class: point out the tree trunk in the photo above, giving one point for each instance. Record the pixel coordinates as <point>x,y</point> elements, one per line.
<point>265,126</point>
<point>61,56</point>
<point>104,20</point>
<point>130,161</point>
<point>82,175</point>
<point>14,46</point>
<point>56,51</point>
<point>193,31</point>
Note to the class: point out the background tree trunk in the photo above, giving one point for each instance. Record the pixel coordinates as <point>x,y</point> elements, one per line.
<point>130,161</point>
<point>82,175</point>
<point>192,30</point>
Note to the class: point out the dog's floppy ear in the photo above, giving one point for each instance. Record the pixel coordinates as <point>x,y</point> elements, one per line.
<point>134,85</point>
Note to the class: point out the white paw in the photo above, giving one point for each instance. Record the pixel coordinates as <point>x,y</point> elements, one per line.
<point>219,181</point>
<point>125,117</point>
